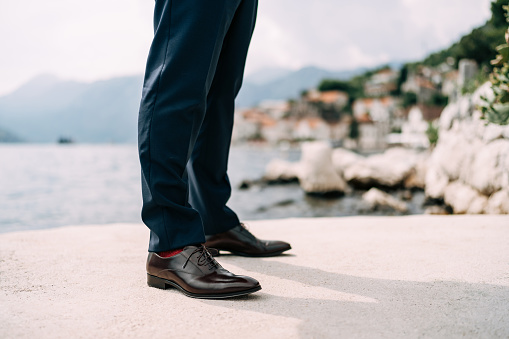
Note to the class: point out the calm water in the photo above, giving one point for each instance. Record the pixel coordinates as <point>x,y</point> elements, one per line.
<point>43,186</point>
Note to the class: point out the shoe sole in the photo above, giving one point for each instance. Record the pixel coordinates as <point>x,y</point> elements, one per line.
<point>263,255</point>
<point>163,284</point>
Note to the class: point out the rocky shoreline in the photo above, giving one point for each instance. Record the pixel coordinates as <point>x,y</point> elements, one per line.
<point>466,173</point>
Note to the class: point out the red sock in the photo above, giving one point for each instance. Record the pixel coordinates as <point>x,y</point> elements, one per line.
<point>167,254</point>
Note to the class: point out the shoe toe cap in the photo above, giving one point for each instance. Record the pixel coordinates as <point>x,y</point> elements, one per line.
<point>277,246</point>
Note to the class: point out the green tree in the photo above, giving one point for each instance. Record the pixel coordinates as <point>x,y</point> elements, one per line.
<point>496,110</point>
<point>498,13</point>
<point>432,133</point>
<point>332,84</point>
<point>354,129</point>
<point>480,45</point>
<point>403,76</point>
<point>409,99</point>
<point>438,99</point>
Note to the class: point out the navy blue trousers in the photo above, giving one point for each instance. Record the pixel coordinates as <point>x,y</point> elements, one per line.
<point>194,72</point>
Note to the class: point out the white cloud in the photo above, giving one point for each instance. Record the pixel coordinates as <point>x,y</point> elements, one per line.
<point>95,39</point>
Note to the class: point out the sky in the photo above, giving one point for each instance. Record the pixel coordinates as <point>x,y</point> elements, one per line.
<point>99,39</point>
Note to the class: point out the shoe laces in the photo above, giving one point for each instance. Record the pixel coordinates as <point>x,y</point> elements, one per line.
<point>205,258</point>
<point>244,228</point>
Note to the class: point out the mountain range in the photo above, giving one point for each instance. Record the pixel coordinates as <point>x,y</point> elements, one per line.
<point>46,108</point>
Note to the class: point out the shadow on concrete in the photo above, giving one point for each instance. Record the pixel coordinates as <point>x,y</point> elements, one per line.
<point>399,309</point>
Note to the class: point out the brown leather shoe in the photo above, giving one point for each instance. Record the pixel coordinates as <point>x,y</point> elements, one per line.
<point>240,241</point>
<point>197,274</point>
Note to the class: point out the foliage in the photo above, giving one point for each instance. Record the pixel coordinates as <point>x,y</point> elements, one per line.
<point>409,99</point>
<point>329,113</point>
<point>438,99</point>
<point>471,85</point>
<point>496,109</point>
<point>480,45</point>
<point>396,130</point>
<point>498,13</point>
<point>403,76</point>
<point>432,133</point>
<point>332,84</point>
<point>354,129</point>
<point>257,136</point>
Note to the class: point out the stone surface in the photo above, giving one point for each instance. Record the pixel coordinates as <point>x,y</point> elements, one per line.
<point>316,172</point>
<point>464,199</point>
<point>489,170</point>
<point>360,277</point>
<point>451,155</point>
<point>377,198</point>
<point>498,203</point>
<point>342,159</point>
<point>469,151</point>
<point>436,210</point>
<point>388,169</point>
<point>281,170</point>
<point>417,176</point>
<point>436,182</point>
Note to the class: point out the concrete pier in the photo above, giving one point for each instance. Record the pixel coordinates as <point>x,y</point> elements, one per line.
<point>355,277</point>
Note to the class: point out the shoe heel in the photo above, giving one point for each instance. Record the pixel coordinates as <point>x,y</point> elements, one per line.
<point>156,282</point>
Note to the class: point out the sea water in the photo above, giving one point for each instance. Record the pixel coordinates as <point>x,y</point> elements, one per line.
<point>47,185</point>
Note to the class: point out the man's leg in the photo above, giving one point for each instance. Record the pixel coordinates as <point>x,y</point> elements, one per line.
<point>180,68</point>
<point>209,185</point>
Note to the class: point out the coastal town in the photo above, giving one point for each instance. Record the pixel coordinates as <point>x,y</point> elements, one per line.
<point>394,107</point>
<point>391,133</point>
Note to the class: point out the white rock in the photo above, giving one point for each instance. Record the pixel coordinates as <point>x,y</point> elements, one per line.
<point>465,107</point>
<point>493,132</point>
<point>498,203</point>
<point>489,170</point>
<point>417,177</point>
<point>470,152</point>
<point>436,210</point>
<point>479,125</point>
<point>506,132</point>
<point>449,114</point>
<point>478,205</point>
<point>342,159</point>
<point>470,129</point>
<point>436,182</point>
<point>471,159</point>
<point>460,197</point>
<point>388,169</point>
<point>375,197</point>
<point>281,170</point>
<point>316,172</point>
<point>450,154</point>
<point>483,91</point>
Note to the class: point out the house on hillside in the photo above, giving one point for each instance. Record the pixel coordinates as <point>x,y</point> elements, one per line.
<point>378,109</point>
<point>381,83</point>
<point>311,128</point>
<point>450,84</point>
<point>376,117</point>
<point>250,123</point>
<point>372,135</point>
<point>423,87</point>
<point>413,131</point>
<point>244,129</point>
<point>338,99</point>
<point>276,109</point>
<point>467,70</point>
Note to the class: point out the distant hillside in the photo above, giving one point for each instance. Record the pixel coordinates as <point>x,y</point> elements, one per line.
<point>6,136</point>
<point>480,44</point>
<point>46,108</point>
<point>287,86</point>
